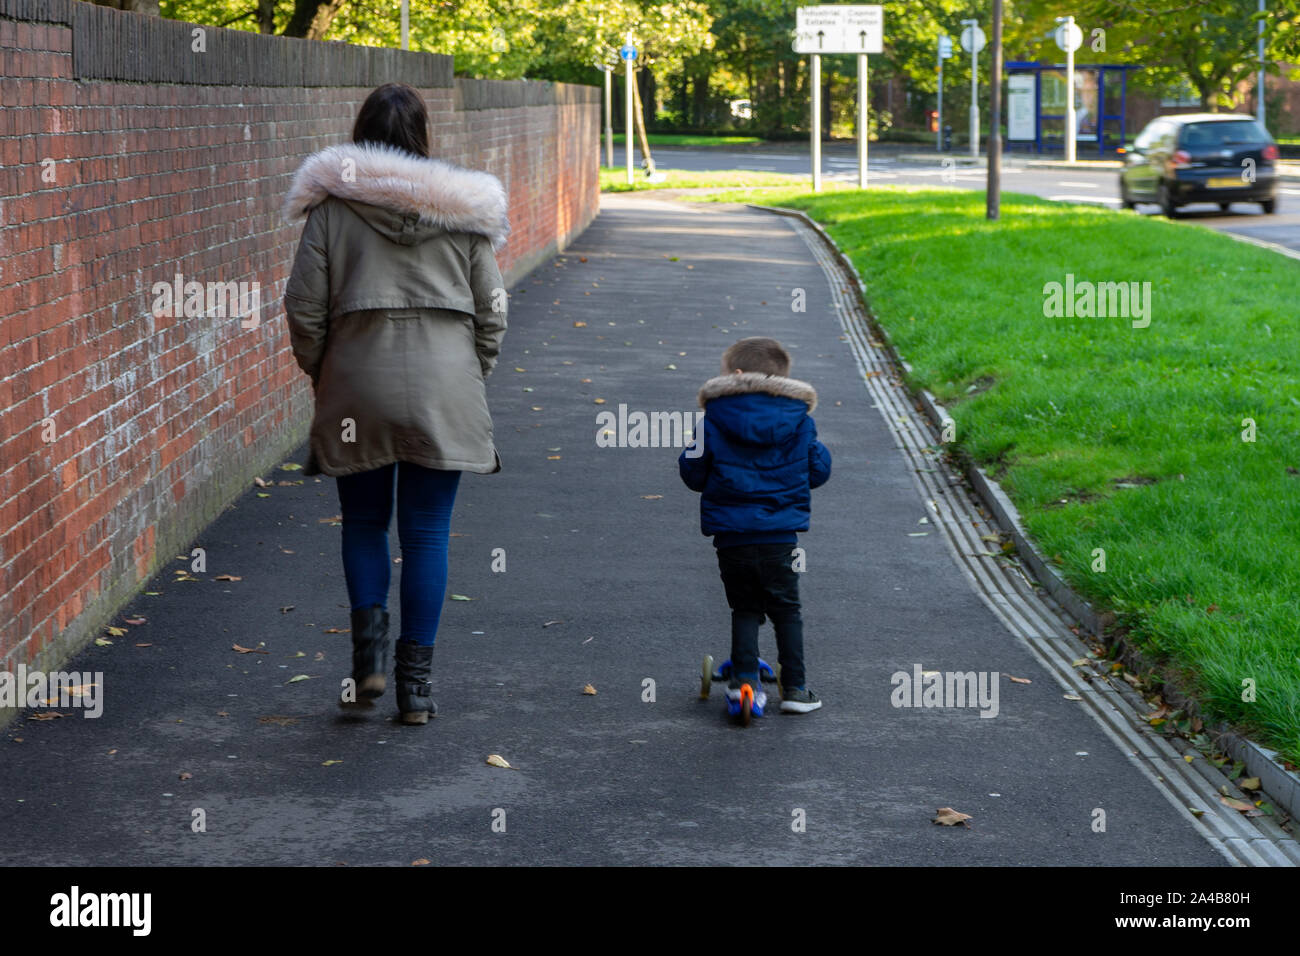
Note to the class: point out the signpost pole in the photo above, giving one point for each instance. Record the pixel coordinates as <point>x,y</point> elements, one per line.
<point>627,111</point>
<point>1070,119</point>
<point>816,80</point>
<point>974,101</point>
<point>863,127</point>
<point>609,116</point>
<point>938,133</point>
<point>993,188</point>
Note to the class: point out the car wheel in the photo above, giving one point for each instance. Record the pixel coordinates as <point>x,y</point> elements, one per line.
<point>1167,205</point>
<point>1125,200</point>
<point>1269,206</point>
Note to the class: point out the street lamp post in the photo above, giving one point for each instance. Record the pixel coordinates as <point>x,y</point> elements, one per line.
<point>1259,87</point>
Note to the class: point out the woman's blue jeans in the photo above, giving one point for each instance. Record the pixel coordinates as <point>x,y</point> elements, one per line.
<point>424,502</point>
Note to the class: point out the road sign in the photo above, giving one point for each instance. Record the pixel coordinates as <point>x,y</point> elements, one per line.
<point>627,52</point>
<point>972,36</point>
<point>840,29</point>
<point>945,47</point>
<point>1069,37</point>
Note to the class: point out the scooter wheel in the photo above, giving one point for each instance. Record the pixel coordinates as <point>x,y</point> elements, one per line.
<point>706,677</point>
<point>746,705</point>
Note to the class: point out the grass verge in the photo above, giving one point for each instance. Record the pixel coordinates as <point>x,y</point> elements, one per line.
<point>614,179</point>
<point>1106,436</point>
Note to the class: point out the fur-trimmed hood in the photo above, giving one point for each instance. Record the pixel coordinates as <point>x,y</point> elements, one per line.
<point>445,197</point>
<point>747,383</point>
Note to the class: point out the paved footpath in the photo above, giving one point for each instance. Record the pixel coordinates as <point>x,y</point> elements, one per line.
<point>609,582</point>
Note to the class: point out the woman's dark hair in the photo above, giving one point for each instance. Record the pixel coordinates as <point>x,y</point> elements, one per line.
<point>394,115</point>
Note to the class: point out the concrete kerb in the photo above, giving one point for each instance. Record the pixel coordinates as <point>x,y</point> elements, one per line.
<point>1288,172</point>
<point>1282,785</point>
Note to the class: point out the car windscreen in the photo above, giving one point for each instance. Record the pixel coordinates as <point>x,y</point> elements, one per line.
<point>1222,133</point>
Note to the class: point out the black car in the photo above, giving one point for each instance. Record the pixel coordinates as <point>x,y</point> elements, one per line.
<point>1200,157</point>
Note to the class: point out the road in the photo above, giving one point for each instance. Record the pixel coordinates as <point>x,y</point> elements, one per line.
<point>1084,184</point>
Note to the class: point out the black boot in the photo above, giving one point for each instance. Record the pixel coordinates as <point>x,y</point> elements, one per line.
<point>370,651</point>
<point>414,682</point>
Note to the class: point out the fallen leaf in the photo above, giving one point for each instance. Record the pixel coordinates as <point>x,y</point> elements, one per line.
<point>248,650</point>
<point>589,691</point>
<point>551,623</point>
<point>103,642</point>
<point>600,401</point>
<point>1019,680</point>
<point>460,597</point>
<point>335,519</point>
<point>1195,812</point>
<point>422,861</point>
<point>135,620</point>
<point>1211,609</point>
<point>291,466</point>
<point>320,656</point>
<point>1239,805</point>
<point>259,482</point>
<point>298,677</point>
<point>185,775</point>
<point>330,763</point>
<point>110,753</point>
<point>552,457</point>
<point>496,760</point>
<point>223,713</point>
<point>1249,783</point>
<point>263,494</point>
<point>652,497</point>
<point>1080,662</point>
<point>338,630</point>
<point>949,817</point>
<point>1072,697</point>
<point>286,609</point>
<point>144,645</point>
<point>228,577</point>
<point>116,631</point>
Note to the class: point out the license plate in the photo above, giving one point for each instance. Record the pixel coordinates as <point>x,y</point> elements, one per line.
<point>1225,182</point>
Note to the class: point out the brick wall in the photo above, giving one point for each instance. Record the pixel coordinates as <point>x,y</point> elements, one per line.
<point>127,157</point>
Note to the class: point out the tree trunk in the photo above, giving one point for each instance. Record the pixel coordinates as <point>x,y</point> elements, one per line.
<point>312,18</point>
<point>266,16</point>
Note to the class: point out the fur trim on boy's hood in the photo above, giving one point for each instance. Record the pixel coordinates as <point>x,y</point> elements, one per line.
<point>458,200</point>
<point>749,382</point>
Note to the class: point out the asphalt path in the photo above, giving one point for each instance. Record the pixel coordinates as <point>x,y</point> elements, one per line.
<point>608,582</point>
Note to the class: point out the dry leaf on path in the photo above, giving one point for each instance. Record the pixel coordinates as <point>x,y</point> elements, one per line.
<point>186,775</point>
<point>1249,783</point>
<point>589,691</point>
<point>460,597</point>
<point>1019,680</point>
<point>298,677</point>
<point>1240,805</point>
<point>496,760</point>
<point>135,620</point>
<point>330,763</point>
<point>228,577</point>
<point>949,817</point>
<point>420,862</point>
<point>45,715</point>
<point>248,650</point>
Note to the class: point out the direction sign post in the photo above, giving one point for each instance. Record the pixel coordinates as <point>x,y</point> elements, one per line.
<point>839,29</point>
<point>628,53</point>
<point>972,41</point>
<point>1069,38</point>
<point>945,51</point>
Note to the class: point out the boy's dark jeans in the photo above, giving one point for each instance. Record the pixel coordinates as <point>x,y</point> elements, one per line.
<point>760,581</point>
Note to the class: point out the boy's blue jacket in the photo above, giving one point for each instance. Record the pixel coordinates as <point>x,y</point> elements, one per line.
<point>761,456</point>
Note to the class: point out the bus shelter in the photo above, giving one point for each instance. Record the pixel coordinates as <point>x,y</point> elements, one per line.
<point>1036,105</point>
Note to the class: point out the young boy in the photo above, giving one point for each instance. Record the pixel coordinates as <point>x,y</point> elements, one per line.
<point>759,461</point>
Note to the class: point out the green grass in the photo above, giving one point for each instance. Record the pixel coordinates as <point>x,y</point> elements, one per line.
<point>615,179</point>
<point>687,139</point>
<point>1202,563</point>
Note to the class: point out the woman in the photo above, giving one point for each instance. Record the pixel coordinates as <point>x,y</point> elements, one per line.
<point>396,311</point>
